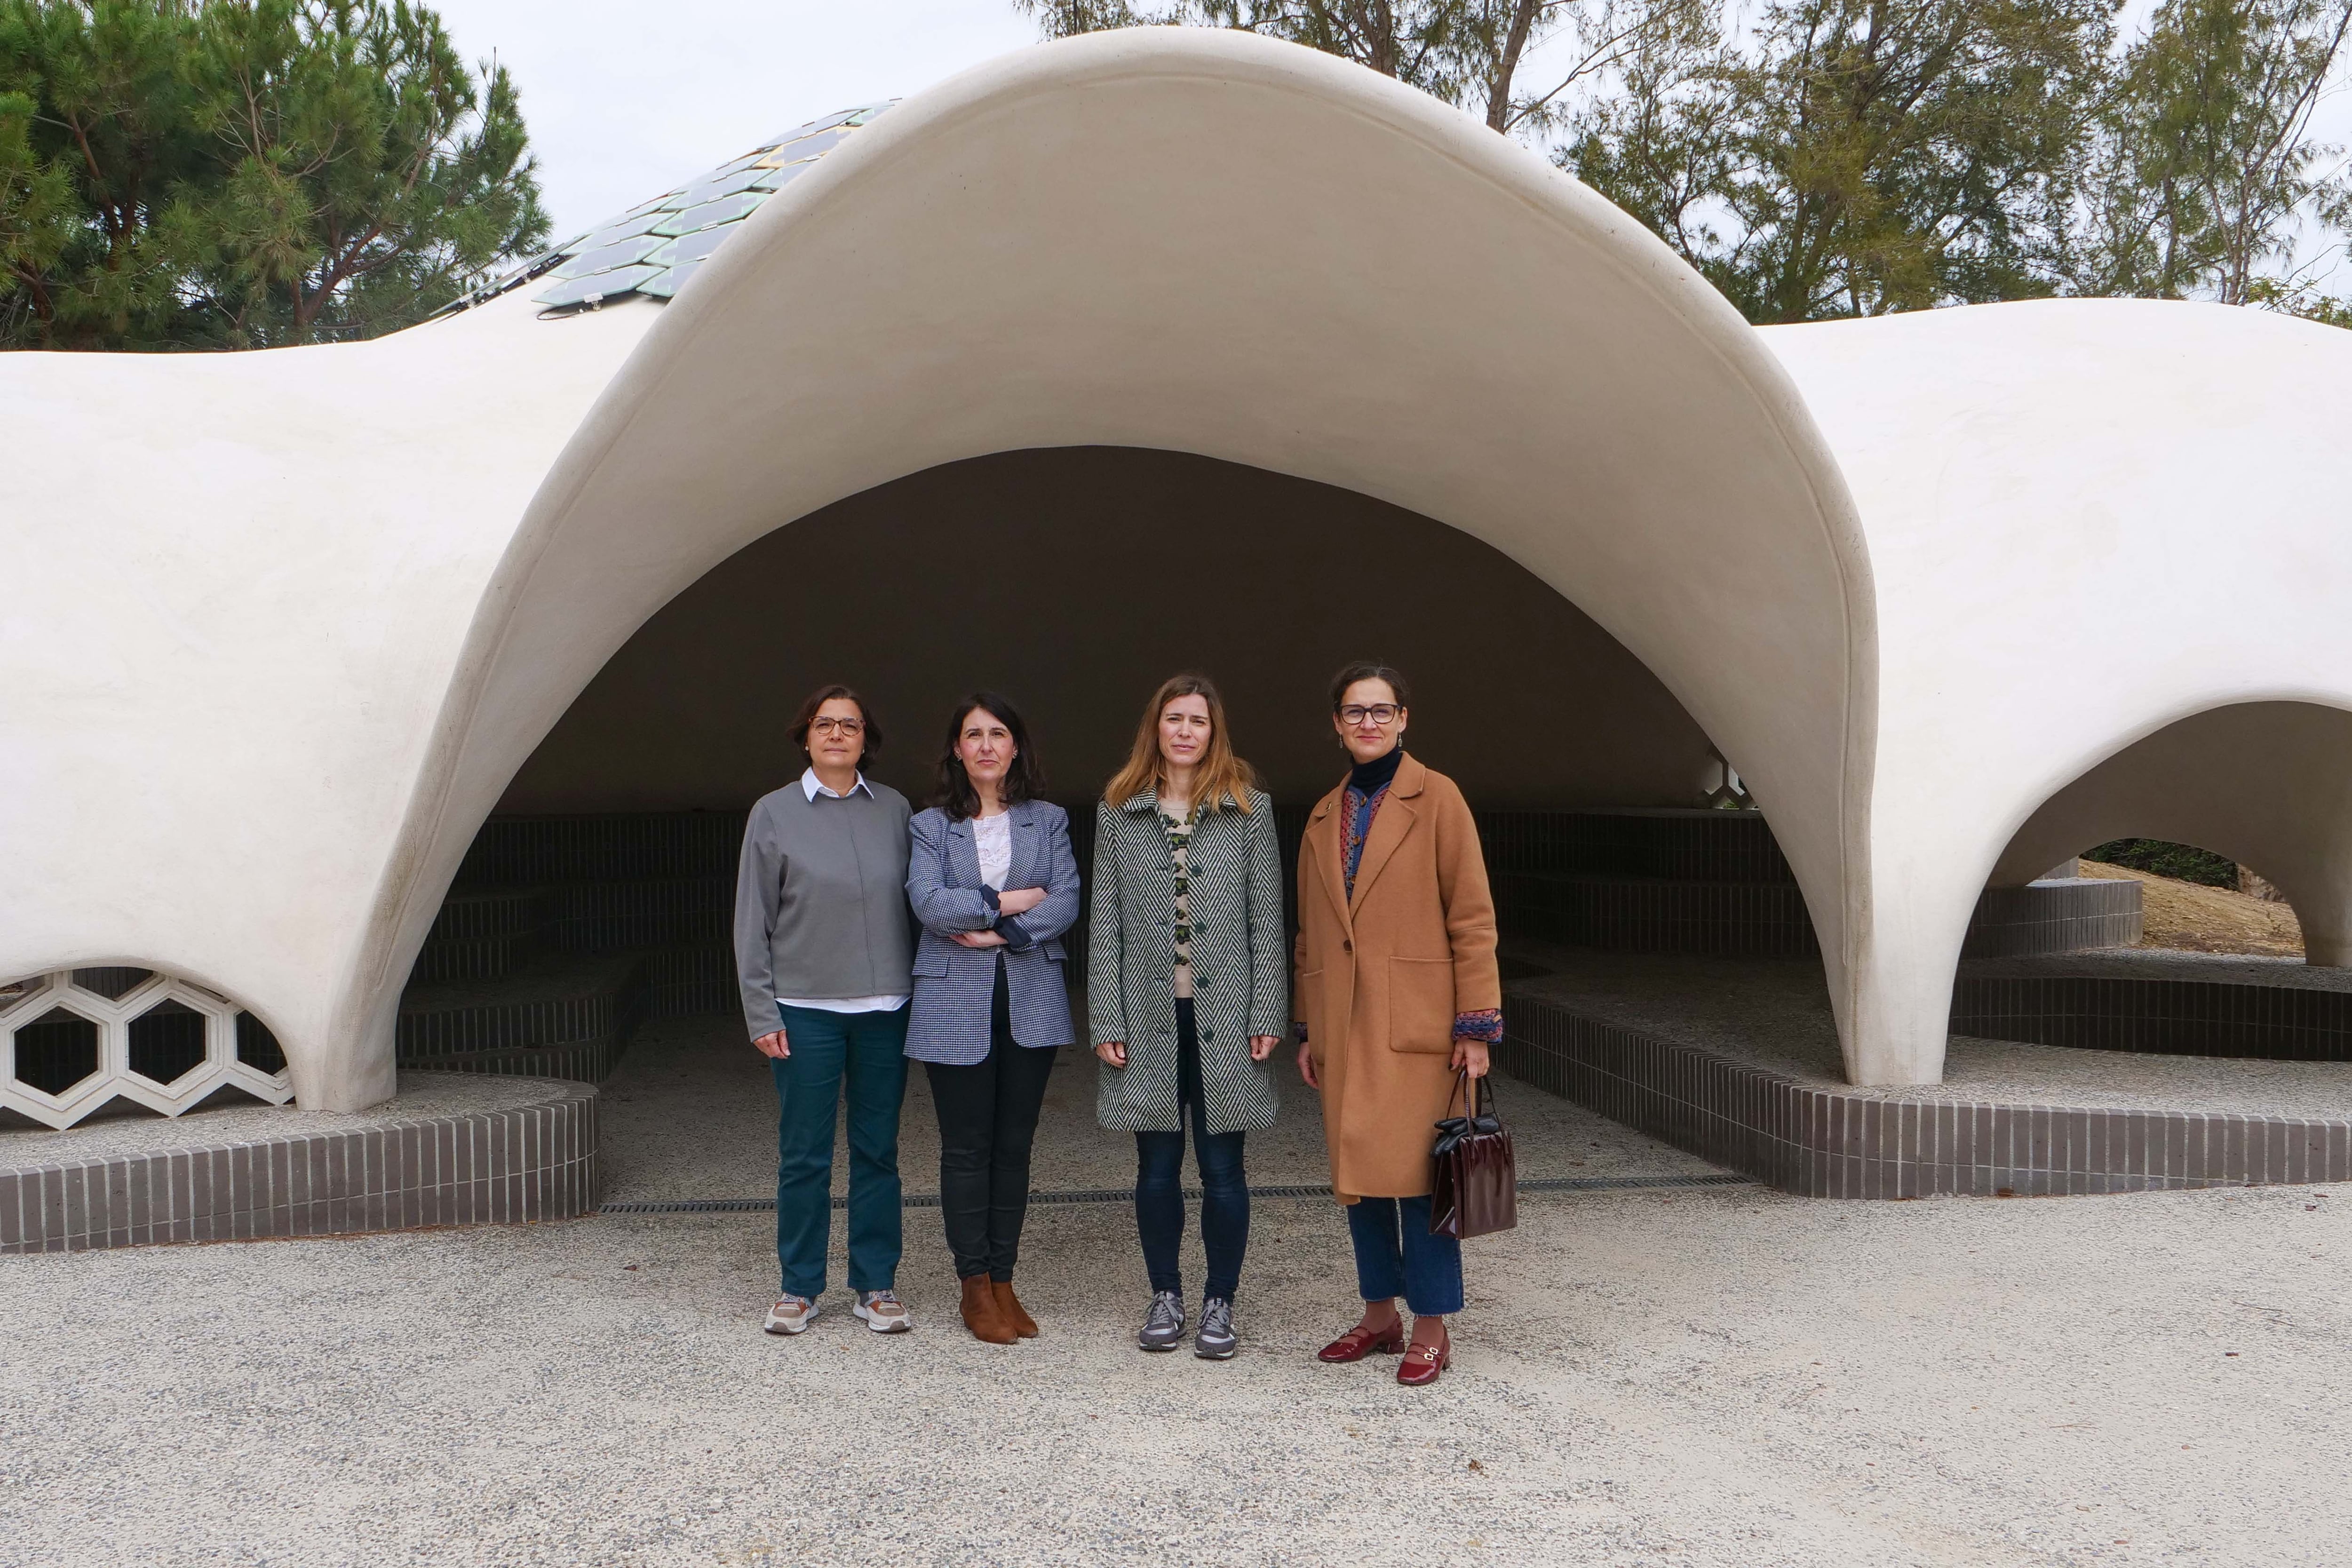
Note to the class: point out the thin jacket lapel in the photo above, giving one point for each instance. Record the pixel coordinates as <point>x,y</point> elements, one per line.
<point>1389,824</point>
<point>1323,831</point>
<point>1021,872</point>
<point>963,855</point>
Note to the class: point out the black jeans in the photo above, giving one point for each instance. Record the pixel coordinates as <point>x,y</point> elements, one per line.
<point>1160,1183</point>
<point>988,1121</point>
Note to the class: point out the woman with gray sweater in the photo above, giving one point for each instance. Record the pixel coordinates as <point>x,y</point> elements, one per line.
<point>994,886</point>
<point>1189,991</point>
<point>825,956</point>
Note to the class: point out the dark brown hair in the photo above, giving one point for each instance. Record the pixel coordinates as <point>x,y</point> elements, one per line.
<point>824,694</point>
<point>1023,779</point>
<point>1226,779</point>
<point>1368,669</point>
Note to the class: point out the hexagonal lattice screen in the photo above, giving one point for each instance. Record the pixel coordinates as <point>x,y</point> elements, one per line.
<point>167,1042</point>
<point>56,1050</point>
<point>72,1040</point>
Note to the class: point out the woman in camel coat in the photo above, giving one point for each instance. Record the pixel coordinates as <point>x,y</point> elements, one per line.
<point>1397,989</point>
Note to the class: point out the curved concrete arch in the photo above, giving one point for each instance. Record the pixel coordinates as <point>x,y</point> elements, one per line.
<point>1205,242</point>
<point>2268,785</point>
<point>2089,520</point>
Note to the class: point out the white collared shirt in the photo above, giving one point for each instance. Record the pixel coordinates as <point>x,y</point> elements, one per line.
<point>813,786</point>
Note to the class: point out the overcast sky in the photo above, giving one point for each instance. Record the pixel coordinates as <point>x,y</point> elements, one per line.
<point>624,102</point>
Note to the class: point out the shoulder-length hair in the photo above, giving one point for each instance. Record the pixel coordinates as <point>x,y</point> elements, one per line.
<point>1224,779</point>
<point>1023,780</point>
<point>824,694</point>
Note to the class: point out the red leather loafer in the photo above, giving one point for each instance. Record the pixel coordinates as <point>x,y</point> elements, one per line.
<point>1360,1341</point>
<point>1422,1364</point>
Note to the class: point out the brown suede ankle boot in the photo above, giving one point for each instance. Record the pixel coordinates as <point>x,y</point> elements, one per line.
<point>1014,1312</point>
<point>981,1315</point>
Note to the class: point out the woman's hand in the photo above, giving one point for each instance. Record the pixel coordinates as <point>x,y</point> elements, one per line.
<point>1307,1065</point>
<point>1019,900</point>
<point>1471,1057</point>
<point>1262,1046</point>
<point>978,939</point>
<point>1113,1051</point>
<point>775,1046</point>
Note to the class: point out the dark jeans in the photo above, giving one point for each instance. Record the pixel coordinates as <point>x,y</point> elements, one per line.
<point>1160,1183</point>
<point>987,1122</point>
<point>1396,1256</point>
<point>869,1050</point>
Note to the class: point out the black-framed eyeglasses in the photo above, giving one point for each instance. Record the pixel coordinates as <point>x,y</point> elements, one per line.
<point>849,729</point>
<point>1382,713</point>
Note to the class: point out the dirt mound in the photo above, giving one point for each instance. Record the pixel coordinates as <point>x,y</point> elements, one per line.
<point>2192,916</point>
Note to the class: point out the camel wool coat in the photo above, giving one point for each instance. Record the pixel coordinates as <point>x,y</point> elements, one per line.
<point>1381,976</point>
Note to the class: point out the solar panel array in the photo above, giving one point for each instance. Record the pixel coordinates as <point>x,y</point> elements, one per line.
<point>655,248</point>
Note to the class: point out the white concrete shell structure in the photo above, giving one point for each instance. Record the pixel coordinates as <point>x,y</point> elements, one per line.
<point>281,627</point>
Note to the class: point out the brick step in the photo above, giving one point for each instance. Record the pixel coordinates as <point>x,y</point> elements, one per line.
<point>561,1016</point>
<point>485,933</point>
<point>2072,914</point>
<point>1635,914</point>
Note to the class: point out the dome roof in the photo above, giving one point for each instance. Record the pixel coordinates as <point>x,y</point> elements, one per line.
<point>655,247</point>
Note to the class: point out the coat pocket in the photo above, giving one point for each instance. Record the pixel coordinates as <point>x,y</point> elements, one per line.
<point>1420,1005</point>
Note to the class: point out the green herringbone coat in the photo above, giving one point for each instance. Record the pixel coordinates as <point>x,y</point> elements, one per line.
<point>1241,964</point>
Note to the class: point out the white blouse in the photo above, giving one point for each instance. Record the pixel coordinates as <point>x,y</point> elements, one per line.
<point>992,837</point>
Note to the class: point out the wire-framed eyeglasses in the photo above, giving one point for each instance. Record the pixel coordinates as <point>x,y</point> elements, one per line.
<point>848,728</point>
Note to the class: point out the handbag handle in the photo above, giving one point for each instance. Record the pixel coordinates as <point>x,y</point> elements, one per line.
<point>1465,1089</point>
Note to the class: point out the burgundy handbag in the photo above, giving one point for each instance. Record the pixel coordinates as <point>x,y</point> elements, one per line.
<point>1476,1189</point>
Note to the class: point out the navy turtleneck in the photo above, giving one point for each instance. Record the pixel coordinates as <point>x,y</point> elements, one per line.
<point>1365,778</point>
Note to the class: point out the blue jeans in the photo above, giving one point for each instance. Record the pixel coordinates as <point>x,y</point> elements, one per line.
<point>868,1050</point>
<point>1160,1183</point>
<point>1396,1256</point>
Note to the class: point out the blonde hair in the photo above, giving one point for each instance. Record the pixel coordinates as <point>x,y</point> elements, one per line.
<point>1223,778</point>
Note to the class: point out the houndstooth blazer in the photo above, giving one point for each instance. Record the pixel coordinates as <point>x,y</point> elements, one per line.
<point>955,986</point>
<point>1241,964</point>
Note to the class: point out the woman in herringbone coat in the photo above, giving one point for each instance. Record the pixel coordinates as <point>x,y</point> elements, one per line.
<point>1187,990</point>
<point>994,885</point>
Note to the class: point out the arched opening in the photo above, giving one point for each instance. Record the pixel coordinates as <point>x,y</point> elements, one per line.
<point>1044,254</point>
<point>2262,786</point>
<point>597,898</point>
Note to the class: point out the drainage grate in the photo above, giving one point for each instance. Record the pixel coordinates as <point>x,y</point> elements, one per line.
<point>1125,1195</point>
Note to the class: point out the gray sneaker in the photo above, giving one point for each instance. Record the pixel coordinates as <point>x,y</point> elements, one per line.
<point>1216,1340</point>
<point>1164,1326</point>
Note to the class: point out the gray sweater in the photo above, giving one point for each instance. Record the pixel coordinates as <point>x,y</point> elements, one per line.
<point>821,899</point>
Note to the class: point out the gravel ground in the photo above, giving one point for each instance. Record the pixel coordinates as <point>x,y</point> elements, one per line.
<point>1711,1376</point>
<point>1703,1376</point>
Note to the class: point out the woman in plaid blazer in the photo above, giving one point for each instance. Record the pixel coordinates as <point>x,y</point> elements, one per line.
<point>1188,986</point>
<point>994,884</point>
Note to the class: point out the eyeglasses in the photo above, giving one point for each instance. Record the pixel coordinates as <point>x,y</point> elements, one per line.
<point>1381,713</point>
<point>848,728</point>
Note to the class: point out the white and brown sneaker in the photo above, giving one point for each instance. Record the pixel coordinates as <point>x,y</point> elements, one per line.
<point>790,1315</point>
<point>883,1312</point>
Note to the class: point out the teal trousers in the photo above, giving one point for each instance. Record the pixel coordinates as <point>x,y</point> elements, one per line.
<point>864,1053</point>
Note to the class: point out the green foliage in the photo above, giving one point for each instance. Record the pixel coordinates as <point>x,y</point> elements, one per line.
<point>246,172</point>
<point>2181,862</point>
<point>1853,158</point>
<point>1467,52</point>
<point>2199,168</point>
<point>1834,158</point>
